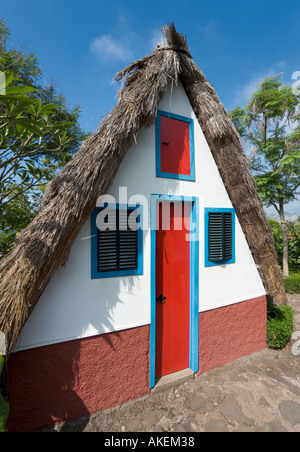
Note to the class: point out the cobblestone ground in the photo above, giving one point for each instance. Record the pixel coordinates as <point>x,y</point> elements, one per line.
<point>260,393</point>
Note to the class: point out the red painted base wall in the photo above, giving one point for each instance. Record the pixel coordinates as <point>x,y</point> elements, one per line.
<point>65,381</point>
<point>69,380</point>
<point>229,333</point>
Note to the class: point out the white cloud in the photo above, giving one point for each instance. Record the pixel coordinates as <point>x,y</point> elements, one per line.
<point>106,47</point>
<point>244,93</point>
<point>118,45</point>
<point>211,32</point>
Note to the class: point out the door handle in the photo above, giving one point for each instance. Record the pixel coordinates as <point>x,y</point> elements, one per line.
<point>161,299</point>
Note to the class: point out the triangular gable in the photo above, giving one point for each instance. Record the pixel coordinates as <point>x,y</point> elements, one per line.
<point>75,306</point>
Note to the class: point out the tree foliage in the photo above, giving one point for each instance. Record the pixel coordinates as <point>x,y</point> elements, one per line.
<point>270,123</point>
<point>270,128</point>
<point>39,133</point>
<point>17,214</point>
<point>294,243</point>
<point>293,232</point>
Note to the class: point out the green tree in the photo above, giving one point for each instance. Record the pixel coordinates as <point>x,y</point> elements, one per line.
<point>293,232</point>
<point>270,128</point>
<point>23,65</point>
<point>17,214</point>
<point>294,244</point>
<point>277,234</point>
<point>32,142</point>
<point>39,133</point>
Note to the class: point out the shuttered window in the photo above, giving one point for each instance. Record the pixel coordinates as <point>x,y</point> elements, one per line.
<point>118,243</point>
<point>117,249</point>
<point>220,236</point>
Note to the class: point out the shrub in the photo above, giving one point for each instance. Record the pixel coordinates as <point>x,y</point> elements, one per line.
<point>4,407</point>
<point>292,284</point>
<point>280,325</point>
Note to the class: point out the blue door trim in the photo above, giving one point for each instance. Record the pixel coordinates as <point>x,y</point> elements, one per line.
<point>194,281</point>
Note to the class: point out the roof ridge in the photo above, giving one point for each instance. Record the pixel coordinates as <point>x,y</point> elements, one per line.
<point>176,48</point>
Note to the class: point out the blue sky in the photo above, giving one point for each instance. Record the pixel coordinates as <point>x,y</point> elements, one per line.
<point>82,44</point>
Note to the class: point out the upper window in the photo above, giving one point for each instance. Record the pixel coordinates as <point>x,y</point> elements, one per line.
<point>174,146</point>
<point>117,239</point>
<point>219,236</point>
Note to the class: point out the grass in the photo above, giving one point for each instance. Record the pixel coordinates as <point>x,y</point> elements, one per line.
<point>292,284</point>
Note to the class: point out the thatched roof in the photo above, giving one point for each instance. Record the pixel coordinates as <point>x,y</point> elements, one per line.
<point>70,198</point>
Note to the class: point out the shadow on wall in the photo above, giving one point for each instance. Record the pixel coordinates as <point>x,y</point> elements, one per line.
<point>41,387</point>
<point>73,379</point>
<point>70,380</point>
<point>58,383</point>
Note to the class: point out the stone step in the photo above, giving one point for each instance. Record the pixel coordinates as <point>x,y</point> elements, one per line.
<point>175,379</point>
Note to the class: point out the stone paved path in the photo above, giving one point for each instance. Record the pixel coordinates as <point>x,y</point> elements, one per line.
<point>260,393</point>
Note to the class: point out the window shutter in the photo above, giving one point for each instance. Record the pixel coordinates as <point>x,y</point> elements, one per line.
<point>220,236</point>
<point>117,249</point>
<point>127,241</point>
<point>227,236</point>
<point>107,245</point>
<point>215,237</point>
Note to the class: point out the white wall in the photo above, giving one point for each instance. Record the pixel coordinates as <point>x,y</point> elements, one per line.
<point>75,306</point>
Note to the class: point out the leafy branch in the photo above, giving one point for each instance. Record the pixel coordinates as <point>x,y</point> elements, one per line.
<point>33,143</point>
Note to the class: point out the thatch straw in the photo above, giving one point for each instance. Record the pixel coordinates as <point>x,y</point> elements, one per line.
<point>70,198</point>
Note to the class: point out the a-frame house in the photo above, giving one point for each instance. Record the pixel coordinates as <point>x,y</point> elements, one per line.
<point>94,315</point>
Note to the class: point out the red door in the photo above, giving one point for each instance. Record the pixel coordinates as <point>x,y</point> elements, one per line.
<point>172,289</point>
